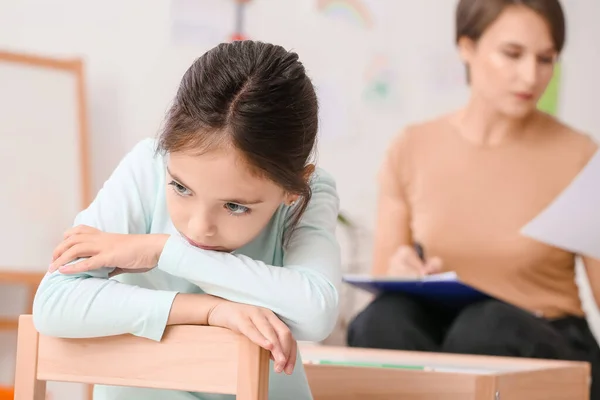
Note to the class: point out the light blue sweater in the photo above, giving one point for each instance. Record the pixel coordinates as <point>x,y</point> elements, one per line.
<point>299,283</point>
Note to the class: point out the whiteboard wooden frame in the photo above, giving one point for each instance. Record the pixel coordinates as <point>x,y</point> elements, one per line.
<point>9,274</point>
<point>74,66</point>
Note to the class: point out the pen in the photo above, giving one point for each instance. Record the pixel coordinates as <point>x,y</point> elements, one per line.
<point>420,252</point>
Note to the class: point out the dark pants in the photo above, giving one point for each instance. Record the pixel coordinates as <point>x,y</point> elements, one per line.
<point>488,327</point>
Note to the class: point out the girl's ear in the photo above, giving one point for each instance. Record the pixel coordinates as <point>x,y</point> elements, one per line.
<point>291,199</point>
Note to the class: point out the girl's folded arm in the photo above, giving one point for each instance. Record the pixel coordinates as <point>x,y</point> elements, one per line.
<point>89,304</point>
<point>303,293</point>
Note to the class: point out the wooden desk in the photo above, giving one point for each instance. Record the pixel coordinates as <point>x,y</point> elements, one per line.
<point>448,377</point>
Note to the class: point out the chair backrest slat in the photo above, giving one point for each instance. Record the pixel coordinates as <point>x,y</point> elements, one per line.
<point>189,358</point>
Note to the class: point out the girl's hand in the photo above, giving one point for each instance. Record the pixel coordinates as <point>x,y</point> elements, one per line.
<point>126,253</point>
<point>261,326</point>
<point>406,263</point>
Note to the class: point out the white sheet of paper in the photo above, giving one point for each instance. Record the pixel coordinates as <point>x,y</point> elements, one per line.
<point>572,220</point>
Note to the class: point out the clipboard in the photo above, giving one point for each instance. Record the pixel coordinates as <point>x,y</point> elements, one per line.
<point>443,288</point>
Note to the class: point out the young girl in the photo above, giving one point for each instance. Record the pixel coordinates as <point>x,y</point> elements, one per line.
<point>223,221</point>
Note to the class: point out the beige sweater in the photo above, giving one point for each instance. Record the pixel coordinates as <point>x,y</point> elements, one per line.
<point>466,204</point>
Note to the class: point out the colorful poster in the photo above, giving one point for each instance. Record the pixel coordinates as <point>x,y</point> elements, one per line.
<point>549,100</point>
<point>380,82</point>
<point>355,12</point>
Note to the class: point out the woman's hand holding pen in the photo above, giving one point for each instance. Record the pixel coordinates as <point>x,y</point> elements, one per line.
<point>407,262</point>
<point>262,327</point>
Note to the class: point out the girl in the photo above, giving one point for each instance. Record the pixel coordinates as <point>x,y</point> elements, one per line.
<point>223,221</point>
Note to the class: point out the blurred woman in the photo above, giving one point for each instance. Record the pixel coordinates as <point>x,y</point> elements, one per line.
<point>463,185</point>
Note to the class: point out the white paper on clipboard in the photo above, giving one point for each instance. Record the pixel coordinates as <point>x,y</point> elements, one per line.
<point>572,220</point>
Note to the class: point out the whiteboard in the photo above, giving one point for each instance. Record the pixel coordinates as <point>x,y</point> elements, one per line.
<point>42,157</point>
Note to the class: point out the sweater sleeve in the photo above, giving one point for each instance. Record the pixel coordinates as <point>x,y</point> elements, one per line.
<point>303,292</point>
<point>89,304</point>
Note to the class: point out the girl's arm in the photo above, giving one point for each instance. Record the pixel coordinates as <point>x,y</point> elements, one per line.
<point>89,304</point>
<point>303,293</point>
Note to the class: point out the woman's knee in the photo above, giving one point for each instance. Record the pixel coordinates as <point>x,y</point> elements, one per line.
<point>496,328</point>
<point>390,322</point>
<point>474,331</point>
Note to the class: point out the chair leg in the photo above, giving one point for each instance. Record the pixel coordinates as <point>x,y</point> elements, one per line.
<point>27,386</point>
<point>253,371</point>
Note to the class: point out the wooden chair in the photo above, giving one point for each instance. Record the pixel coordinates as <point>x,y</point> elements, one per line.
<point>189,358</point>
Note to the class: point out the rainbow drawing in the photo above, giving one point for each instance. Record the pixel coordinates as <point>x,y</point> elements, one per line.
<point>349,10</point>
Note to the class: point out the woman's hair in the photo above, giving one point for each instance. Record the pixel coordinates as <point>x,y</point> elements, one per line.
<point>256,98</point>
<point>473,17</point>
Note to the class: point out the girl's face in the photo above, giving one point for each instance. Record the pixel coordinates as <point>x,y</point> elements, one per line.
<point>513,61</point>
<point>216,202</point>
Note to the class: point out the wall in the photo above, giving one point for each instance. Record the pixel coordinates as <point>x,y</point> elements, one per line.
<point>134,64</point>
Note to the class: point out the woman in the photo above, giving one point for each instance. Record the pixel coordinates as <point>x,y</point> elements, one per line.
<point>464,184</point>
<point>227,224</point>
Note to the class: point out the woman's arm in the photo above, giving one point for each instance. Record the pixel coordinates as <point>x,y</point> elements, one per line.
<point>592,269</point>
<point>303,293</point>
<point>89,304</point>
<point>592,265</point>
<point>393,214</point>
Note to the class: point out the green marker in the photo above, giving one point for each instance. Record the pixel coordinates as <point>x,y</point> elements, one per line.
<point>370,365</point>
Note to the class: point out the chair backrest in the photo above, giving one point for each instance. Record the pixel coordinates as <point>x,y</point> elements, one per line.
<point>188,358</point>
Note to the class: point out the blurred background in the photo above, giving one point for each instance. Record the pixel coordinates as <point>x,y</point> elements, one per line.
<point>378,65</point>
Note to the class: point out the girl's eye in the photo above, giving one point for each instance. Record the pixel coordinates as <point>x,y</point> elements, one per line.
<point>236,209</point>
<point>180,189</point>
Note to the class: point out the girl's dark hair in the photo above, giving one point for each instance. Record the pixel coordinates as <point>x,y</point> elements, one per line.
<point>257,98</point>
<point>473,17</point>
